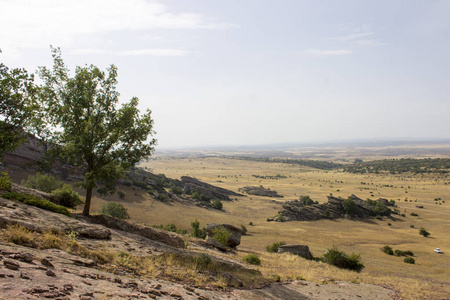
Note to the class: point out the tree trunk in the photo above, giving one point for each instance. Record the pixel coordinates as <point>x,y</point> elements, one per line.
<point>87,203</point>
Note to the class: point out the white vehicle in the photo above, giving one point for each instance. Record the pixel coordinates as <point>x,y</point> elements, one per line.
<point>437,250</point>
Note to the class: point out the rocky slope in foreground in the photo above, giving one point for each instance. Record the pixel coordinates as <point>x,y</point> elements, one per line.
<point>32,273</point>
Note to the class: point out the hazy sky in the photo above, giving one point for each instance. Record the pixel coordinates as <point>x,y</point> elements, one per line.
<point>242,72</point>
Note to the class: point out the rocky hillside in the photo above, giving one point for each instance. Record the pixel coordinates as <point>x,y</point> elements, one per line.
<point>52,256</point>
<point>259,191</point>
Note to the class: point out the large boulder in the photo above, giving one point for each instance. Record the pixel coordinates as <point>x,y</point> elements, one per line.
<point>300,250</point>
<point>235,238</point>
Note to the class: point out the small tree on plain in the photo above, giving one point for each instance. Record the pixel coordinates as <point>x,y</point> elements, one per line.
<point>115,210</point>
<point>80,115</point>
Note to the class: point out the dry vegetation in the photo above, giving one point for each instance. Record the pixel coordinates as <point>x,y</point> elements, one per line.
<point>428,278</point>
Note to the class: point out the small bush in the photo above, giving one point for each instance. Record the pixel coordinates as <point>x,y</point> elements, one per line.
<point>121,194</point>
<point>388,250</point>
<point>399,253</point>
<point>217,204</point>
<point>38,202</point>
<point>196,231</point>
<point>306,200</point>
<point>424,232</point>
<point>252,259</point>
<point>350,206</point>
<point>66,196</point>
<point>115,210</point>
<point>5,182</point>
<point>176,190</point>
<point>243,229</point>
<point>203,259</point>
<point>273,248</point>
<point>409,253</point>
<point>411,226</point>
<point>342,260</point>
<point>162,197</point>
<point>221,235</point>
<point>414,215</point>
<point>409,260</point>
<point>42,182</point>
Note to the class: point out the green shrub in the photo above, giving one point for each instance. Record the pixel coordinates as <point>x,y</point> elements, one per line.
<point>381,209</point>
<point>115,210</point>
<point>424,232</point>
<point>399,253</point>
<point>388,250</point>
<point>42,182</point>
<point>203,259</point>
<point>414,215</point>
<point>5,182</point>
<point>342,260</point>
<point>409,260</point>
<point>176,190</point>
<point>252,259</point>
<point>221,235</point>
<point>217,204</point>
<point>66,196</point>
<point>121,194</point>
<point>38,202</point>
<point>196,231</point>
<point>243,229</point>
<point>162,197</point>
<point>306,200</point>
<point>274,247</point>
<point>350,206</point>
<point>409,253</point>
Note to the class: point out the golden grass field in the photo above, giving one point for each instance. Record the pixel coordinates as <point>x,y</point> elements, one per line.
<point>428,278</point>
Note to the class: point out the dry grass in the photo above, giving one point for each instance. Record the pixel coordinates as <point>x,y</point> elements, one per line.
<point>429,276</point>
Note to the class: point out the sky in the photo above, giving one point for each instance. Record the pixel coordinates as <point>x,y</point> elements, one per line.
<point>253,72</point>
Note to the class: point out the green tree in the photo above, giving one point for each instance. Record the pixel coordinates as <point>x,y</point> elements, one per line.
<point>17,103</point>
<point>82,118</point>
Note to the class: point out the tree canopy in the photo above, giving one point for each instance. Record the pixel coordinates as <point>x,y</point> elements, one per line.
<point>81,116</point>
<point>17,102</point>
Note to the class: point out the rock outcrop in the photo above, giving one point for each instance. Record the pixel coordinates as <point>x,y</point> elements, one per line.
<point>259,191</point>
<point>12,213</point>
<point>333,209</point>
<point>301,250</point>
<point>190,184</point>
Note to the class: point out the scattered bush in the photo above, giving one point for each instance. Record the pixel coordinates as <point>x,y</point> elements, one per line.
<point>350,206</point>
<point>399,253</point>
<point>121,194</point>
<point>243,230</point>
<point>5,182</point>
<point>170,227</point>
<point>414,215</point>
<point>411,226</point>
<point>381,209</point>
<point>42,182</point>
<point>306,200</point>
<point>203,259</point>
<point>162,197</point>
<point>221,235</point>
<point>252,259</point>
<point>217,204</point>
<point>38,202</point>
<point>409,260</point>
<point>66,196</point>
<point>176,190</point>
<point>273,248</point>
<point>115,210</point>
<point>388,250</point>
<point>196,231</point>
<point>409,253</point>
<point>424,232</point>
<point>342,260</point>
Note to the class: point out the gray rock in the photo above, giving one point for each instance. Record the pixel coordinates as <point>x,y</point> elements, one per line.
<point>12,265</point>
<point>300,250</point>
